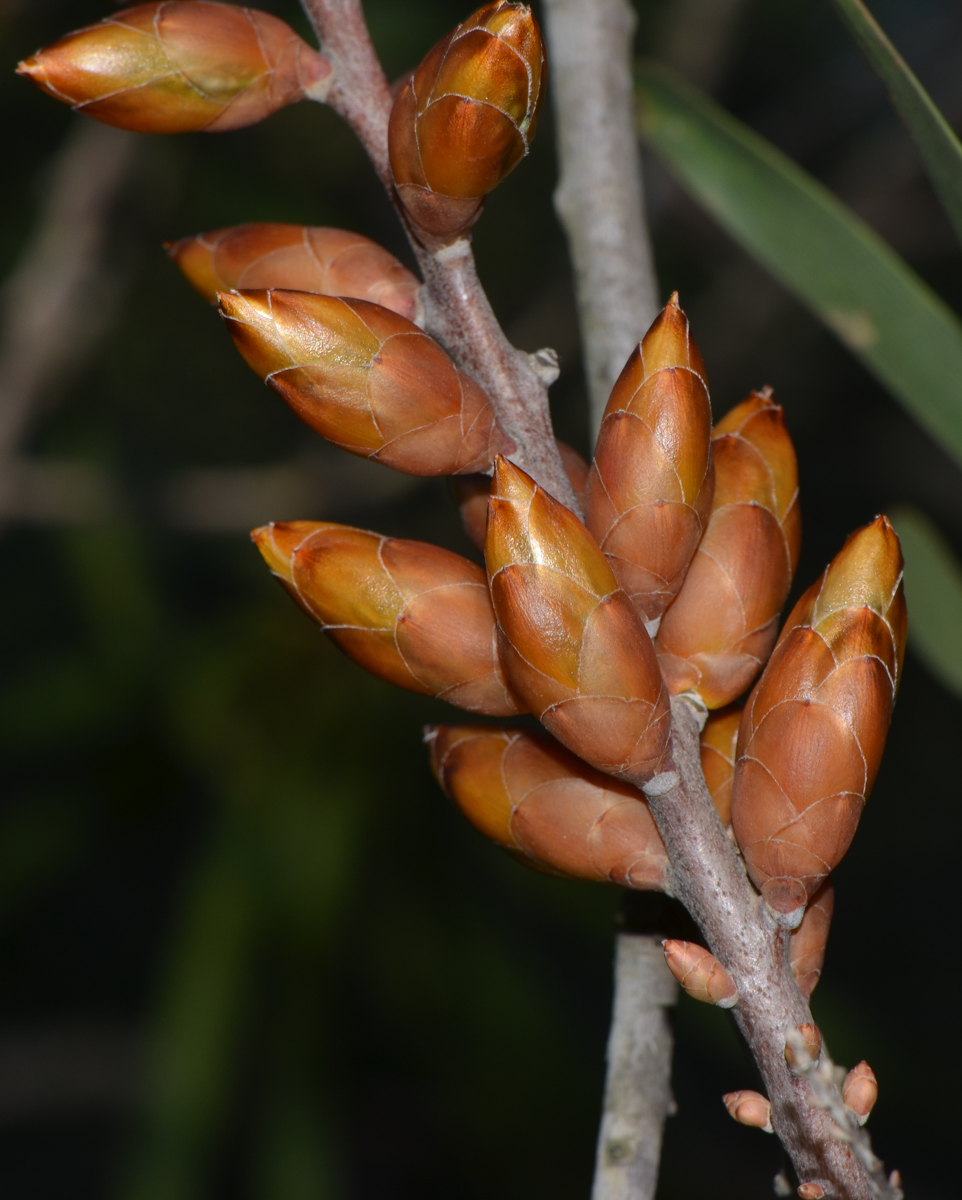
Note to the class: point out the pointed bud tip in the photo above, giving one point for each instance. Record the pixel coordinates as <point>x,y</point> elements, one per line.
<point>673,301</point>
<point>30,66</point>
<point>278,543</point>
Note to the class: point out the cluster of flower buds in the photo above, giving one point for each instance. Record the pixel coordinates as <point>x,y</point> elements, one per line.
<point>181,65</point>
<point>465,118</point>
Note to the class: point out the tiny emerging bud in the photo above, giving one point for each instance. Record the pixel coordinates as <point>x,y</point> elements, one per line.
<point>410,613</point>
<point>650,487</point>
<point>810,1191</point>
<point>302,258</point>
<point>181,65</point>
<point>720,629</point>
<point>573,647</point>
<point>749,1108</point>
<point>806,945</point>
<point>700,973</point>
<point>860,1091</point>
<point>536,799</point>
<point>466,117</point>
<point>812,1041</point>
<point>718,741</point>
<point>814,728</point>
<point>368,380</point>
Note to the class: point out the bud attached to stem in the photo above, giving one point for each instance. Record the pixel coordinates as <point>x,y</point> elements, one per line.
<point>466,117</point>
<point>366,379</point>
<point>719,739</point>
<point>814,728</point>
<point>807,943</point>
<point>301,258</point>
<point>749,1108</point>
<point>860,1091</point>
<point>410,613</point>
<point>700,973</point>
<point>812,1041</point>
<point>573,647</point>
<point>179,66</point>
<point>538,800</point>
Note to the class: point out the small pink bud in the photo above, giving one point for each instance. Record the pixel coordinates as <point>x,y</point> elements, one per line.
<point>700,973</point>
<point>749,1108</point>
<point>813,1044</point>
<point>860,1091</point>
<point>810,1191</point>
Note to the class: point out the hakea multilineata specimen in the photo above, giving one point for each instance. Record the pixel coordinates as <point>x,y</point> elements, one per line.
<point>807,944</point>
<point>527,793</point>
<point>410,613</point>
<point>367,379</point>
<point>651,483</point>
<point>860,1091</point>
<point>749,1108</point>
<point>720,629</point>
<point>700,973</point>
<point>465,118</point>
<point>814,728</point>
<point>573,647</point>
<point>175,67</point>
<point>300,258</point>
<point>719,739</point>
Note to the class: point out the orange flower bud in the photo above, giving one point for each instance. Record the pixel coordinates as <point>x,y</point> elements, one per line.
<point>651,483</point>
<point>718,741</point>
<point>860,1091</point>
<point>573,647</point>
<point>749,1108</point>
<point>301,258</point>
<point>466,117</point>
<point>366,379</point>
<point>174,67</point>
<point>717,634</point>
<point>532,796</point>
<point>700,973</point>
<point>413,614</point>
<point>813,1045</point>
<point>810,1191</point>
<point>814,728</point>
<point>807,943</point>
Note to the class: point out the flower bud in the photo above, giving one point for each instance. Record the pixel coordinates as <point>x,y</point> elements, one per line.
<point>810,1191</point>
<point>814,728</point>
<point>700,973</point>
<point>811,1040</point>
<point>573,647</point>
<point>301,258</point>
<point>410,613</point>
<point>366,379</point>
<point>719,631</point>
<point>860,1091</point>
<point>749,1108</point>
<point>532,796</point>
<point>651,483</point>
<point>718,741</point>
<point>175,66</point>
<point>806,945</point>
<point>466,118</point>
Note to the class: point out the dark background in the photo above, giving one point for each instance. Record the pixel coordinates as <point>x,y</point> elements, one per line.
<point>247,949</point>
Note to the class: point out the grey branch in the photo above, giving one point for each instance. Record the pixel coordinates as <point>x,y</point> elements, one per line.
<point>599,197</point>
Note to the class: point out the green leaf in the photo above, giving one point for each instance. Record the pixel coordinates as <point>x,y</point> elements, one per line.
<point>832,261</point>
<point>938,146</point>
<point>933,591</point>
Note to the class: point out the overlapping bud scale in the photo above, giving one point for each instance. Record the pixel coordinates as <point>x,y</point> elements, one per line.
<point>410,613</point>
<point>860,1091</point>
<point>700,973</point>
<point>719,739</point>
<point>749,1108</point>
<point>807,943</point>
<point>533,797</point>
<point>573,647</point>
<point>651,484</point>
<point>814,728</point>
<point>179,66</point>
<point>366,379</point>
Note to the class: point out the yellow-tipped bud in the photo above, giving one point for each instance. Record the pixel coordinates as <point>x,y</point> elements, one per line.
<point>367,379</point>
<point>860,1091</point>
<point>814,728</point>
<point>719,631</point>
<point>808,942</point>
<point>302,258</point>
<point>719,740</point>
<point>812,1042</point>
<point>749,1108</point>
<point>700,973</point>
<point>573,647</point>
<point>466,118</point>
<point>181,65</point>
<point>651,483</point>
<point>413,614</point>
<point>533,797</point>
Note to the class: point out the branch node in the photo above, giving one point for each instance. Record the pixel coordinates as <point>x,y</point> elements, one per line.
<point>662,784</point>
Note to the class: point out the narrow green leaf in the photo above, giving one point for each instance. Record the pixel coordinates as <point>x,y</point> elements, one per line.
<point>933,591</point>
<point>830,259</point>
<point>937,144</point>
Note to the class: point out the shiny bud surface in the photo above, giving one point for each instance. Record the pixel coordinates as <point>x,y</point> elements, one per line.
<point>700,973</point>
<point>410,613</point>
<point>466,117</point>
<point>366,379</point>
<point>176,67</point>
<point>573,647</point>
<point>301,258</point>
<point>812,1041</point>
<point>532,796</point>
<point>719,740</point>
<point>749,1108</point>
<point>716,636</point>
<point>814,728</point>
<point>807,943</point>
<point>860,1091</point>
<point>651,484</point>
